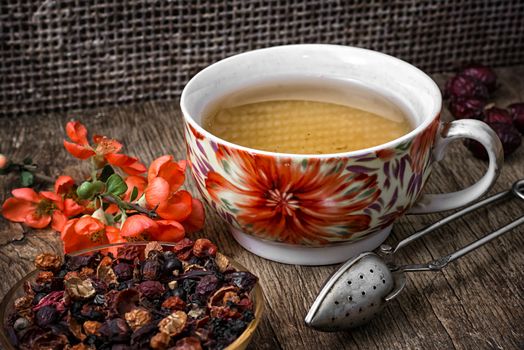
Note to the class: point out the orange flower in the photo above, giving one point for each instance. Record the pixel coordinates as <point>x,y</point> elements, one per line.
<point>105,150</point>
<point>66,188</point>
<point>165,178</point>
<point>87,232</point>
<point>135,181</point>
<point>140,227</point>
<point>35,210</point>
<point>3,161</point>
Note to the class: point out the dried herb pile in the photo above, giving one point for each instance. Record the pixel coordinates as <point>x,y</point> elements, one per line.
<point>185,298</point>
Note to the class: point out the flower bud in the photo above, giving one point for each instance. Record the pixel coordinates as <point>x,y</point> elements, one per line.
<point>3,161</point>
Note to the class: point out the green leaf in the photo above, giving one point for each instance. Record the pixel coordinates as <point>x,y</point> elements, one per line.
<point>86,190</point>
<point>107,171</point>
<point>134,194</point>
<point>117,218</point>
<point>116,185</point>
<point>26,178</point>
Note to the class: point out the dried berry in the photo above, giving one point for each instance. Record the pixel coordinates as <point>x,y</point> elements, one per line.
<point>497,115</point>
<point>46,315</point>
<point>48,262</point>
<point>92,327</point>
<point>115,329</point>
<point>152,247</point>
<point>171,264</point>
<point>508,135</point>
<point>151,289</point>
<point>174,323</point>
<point>123,301</point>
<point>242,279</point>
<point>77,262</point>
<point>160,341</point>
<point>129,253</point>
<point>517,113</point>
<point>151,270</point>
<point>137,318</point>
<point>188,343</point>
<point>123,271</point>
<point>467,107</point>
<point>483,74</point>
<point>79,289</point>
<point>204,247</point>
<point>464,86</point>
<point>174,303</point>
<point>207,284</point>
<point>226,331</point>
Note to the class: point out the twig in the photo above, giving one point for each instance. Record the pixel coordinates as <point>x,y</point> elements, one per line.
<point>130,206</point>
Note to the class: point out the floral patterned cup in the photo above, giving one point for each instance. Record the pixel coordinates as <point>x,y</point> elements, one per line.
<point>323,209</point>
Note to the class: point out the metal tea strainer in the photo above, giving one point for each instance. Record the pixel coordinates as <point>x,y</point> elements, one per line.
<point>362,286</point>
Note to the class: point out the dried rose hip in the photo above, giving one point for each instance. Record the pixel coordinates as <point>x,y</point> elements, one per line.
<point>123,271</point>
<point>174,303</point>
<point>151,269</point>
<point>497,115</point>
<point>508,135</point>
<point>174,323</point>
<point>115,329</point>
<point>160,341</point>
<point>151,289</point>
<point>204,247</point>
<point>481,73</point>
<point>466,107</point>
<point>137,318</point>
<point>188,343</point>
<point>465,86</point>
<point>517,113</point>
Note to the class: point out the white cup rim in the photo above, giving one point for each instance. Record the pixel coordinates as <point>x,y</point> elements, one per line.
<point>430,85</point>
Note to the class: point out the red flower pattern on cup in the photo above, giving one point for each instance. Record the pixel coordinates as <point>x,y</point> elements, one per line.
<point>294,202</point>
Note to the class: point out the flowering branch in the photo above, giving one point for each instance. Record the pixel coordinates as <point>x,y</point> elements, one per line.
<point>107,207</point>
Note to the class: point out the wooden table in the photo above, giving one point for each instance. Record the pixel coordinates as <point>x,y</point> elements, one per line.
<point>476,303</point>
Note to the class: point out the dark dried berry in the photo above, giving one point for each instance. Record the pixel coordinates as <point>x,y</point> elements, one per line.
<point>481,73</point>
<point>178,292</point>
<point>242,279</point>
<point>151,289</point>
<point>508,135</point>
<point>464,86</point>
<point>123,271</point>
<point>226,331</point>
<point>517,113</point>
<point>189,285</point>
<point>466,107</point>
<point>92,312</point>
<point>46,316</point>
<point>38,297</point>
<point>151,270</point>
<point>497,115</point>
<point>207,285</point>
<point>77,262</point>
<point>116,330</point>
<point>171,264</point>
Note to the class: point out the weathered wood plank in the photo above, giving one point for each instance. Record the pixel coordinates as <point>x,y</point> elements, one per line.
<point>476,302</point>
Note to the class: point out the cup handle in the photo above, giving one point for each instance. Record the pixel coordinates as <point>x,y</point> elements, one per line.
<point>471,129</point>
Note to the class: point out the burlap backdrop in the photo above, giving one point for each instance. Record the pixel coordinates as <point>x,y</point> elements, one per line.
<point>58,55</point>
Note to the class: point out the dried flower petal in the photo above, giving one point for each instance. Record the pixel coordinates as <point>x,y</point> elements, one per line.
<point>173,324</point>
<point>79,289</point>
<point>129,253</point>
<point>92,327</point>
<point>152,246</point>
<point>151,289</point>
<point>160,341</point>
<point>137,318</point>
<point>124,301</point>
<point>48,262</point>
<point>75,328</point>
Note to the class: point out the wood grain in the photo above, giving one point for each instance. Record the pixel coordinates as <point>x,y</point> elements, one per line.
<point>475,303</point>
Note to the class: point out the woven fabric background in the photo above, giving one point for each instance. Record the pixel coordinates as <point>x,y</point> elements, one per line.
<point>61,55</point>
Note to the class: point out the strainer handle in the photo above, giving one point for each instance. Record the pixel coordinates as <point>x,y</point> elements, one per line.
<point>440,263</point>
